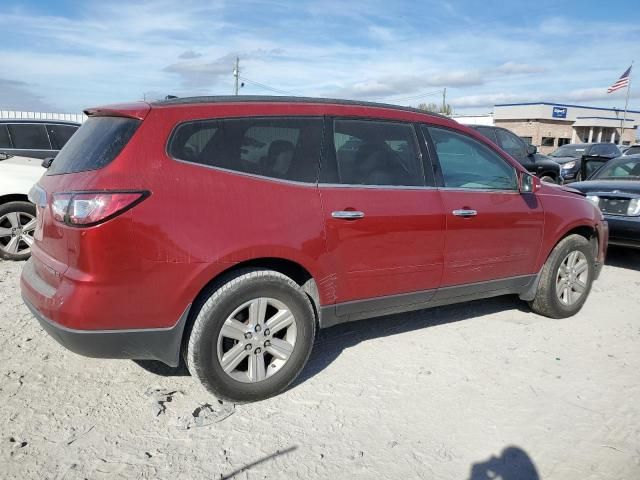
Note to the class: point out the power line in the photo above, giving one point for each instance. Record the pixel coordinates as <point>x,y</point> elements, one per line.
<point>415,97</point>
<point>267,87</point>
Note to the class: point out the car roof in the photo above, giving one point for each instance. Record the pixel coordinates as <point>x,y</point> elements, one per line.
<point>38,120</point>
<point>285,99</point>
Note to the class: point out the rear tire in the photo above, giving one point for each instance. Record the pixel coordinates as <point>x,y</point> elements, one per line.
<point>566,278</point>
<point>17,224</point>
<point>548,179</point>
<point>247,305</point>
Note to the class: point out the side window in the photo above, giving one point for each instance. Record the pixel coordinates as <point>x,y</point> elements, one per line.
<point>60,134</point>
<point>285,148</point>
<point>29,136</point>
<point>376,153</point>
<point>466,163</point>
<point>5,141</point>
<point>511,144</point>
<point>488,132</point>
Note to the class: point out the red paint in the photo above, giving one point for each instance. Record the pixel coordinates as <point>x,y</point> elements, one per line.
<point>143,267</point>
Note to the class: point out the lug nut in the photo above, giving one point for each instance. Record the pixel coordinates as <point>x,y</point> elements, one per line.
<point>257,350</point>
<point>248,346</point>
<point>267,343</point>
<point>258,328</point>
<point>267,331</point>
<point>247,335</point>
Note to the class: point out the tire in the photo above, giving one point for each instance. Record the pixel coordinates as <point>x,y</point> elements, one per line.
<point>548,179</point>
<point>233,302</point>
<point>15,239</point>
<point>555,297</point>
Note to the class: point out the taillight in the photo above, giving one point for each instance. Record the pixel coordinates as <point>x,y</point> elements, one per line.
<point>90,208</point>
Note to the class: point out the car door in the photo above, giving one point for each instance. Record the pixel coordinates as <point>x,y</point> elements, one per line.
<point>384,223</point>
<point>493,231</point>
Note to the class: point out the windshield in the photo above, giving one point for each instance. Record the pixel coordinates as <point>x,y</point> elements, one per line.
<point>574,151</point>
<point>620,170</point>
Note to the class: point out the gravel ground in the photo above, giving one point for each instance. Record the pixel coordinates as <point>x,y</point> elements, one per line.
<point>481,390</point>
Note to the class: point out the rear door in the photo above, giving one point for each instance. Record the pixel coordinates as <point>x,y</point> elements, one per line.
<point>383,219</point>
<point>493,232</point>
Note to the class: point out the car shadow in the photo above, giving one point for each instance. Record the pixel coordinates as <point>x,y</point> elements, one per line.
<point>512,464</point>
<point>621,257</point>
<point>331,342</point>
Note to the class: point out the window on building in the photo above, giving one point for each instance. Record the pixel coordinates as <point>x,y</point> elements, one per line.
<point>548,141</point>
<point>563,141</point>
<point>527,140</point>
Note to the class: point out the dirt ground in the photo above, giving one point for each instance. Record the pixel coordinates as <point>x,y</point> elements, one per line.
<point>474,391</point>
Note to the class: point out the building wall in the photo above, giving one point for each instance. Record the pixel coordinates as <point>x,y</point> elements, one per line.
<point>539,130</point>
<point>485,119</point>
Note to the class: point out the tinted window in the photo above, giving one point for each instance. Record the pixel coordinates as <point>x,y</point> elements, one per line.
<point>29,136</point>
<point>5,142</point>
<point>488,132</point>
<point>575,151</point>
<point>630,151</point>
<point>511,144</point>
<point>376,153</point>
<point>466,163</point>
<point>60,134</point>
<point>629,169</point>
<point>286,148</point>
<point>96,143</point>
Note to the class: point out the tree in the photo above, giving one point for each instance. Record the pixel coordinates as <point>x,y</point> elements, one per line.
<point>435,108</point>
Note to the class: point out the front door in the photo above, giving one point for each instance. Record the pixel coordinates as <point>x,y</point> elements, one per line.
<point>384,226</point>
<point>493,231</point>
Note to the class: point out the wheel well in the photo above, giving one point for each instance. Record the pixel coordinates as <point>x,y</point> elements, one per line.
<point>587,232</point>
<point>13,197</point>
<point>293,270</point>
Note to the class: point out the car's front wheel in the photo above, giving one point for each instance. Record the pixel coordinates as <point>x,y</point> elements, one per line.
<point>251,337</point>
<point>548,179</point>
<point>566,278</point>
<point>17,224</point>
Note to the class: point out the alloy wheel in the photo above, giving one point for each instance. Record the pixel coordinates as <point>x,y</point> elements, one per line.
<point>256,340</point>
<point>572,278</point>
<point>16,232</point>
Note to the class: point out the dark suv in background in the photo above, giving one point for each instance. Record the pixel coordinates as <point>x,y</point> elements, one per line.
<point>570,157</point>
<point>527,155</point>
<point>34,138</point>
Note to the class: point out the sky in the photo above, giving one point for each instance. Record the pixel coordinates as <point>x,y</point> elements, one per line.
<point>68,55</point>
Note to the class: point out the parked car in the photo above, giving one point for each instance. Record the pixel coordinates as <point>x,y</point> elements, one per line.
<point>34,138</point>
<point>527,155</point>
<point>631,150</point>
<point>17,214</point>
<point>570,157</point>
<point>615,188</point>
<point>226,229</point>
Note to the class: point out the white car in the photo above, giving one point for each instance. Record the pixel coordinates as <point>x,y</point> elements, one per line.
<point>17,214</point>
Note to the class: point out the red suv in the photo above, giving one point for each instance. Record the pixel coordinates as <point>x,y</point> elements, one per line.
<point>228,229</point>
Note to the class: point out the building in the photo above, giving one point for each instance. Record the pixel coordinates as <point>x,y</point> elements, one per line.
<point>550,125</point>
<point>480,119</point>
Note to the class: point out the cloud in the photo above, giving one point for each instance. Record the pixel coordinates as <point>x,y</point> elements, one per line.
<point>513,68</point>
<point>17,95</point>
<point>189,55</point>
<point>200,74</point>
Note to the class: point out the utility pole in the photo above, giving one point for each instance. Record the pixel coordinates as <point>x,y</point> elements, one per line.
<point>444,100</point>
<point>236,74</point>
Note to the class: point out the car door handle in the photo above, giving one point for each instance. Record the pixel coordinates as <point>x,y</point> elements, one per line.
<point>465,213</point>
<point>347,214</point>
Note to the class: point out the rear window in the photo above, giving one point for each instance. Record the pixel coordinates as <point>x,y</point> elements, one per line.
<point>96,143</point>
<point>284,148</point>
<point>60,135</point>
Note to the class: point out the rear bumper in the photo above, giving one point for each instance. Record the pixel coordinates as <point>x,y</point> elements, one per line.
<point>161,344</point>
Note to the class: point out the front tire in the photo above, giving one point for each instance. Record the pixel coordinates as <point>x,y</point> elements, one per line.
<point>251,337</point>
<point>548,179</point>
<point>17,224</point>
<point>566,278</point>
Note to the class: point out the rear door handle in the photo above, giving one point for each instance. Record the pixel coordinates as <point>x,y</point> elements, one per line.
<point>465,213</point>
<point>347,214</point>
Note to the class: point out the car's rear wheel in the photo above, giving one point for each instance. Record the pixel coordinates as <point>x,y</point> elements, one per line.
<point>566,278</point>
<point>17,224</point>
<point>251,337</point>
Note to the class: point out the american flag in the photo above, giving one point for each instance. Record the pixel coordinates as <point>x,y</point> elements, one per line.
<point>622,82</point>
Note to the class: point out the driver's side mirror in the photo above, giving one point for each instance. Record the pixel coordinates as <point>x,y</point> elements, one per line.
<point>5,155</point>
<point>46,163</point>
<point>528,183</point>
<point>532,149</point>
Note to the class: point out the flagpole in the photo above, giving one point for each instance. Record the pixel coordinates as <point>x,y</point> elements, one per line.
<point>626,103</point>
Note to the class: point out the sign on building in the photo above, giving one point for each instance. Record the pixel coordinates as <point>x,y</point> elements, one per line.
<point>559,112</point>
